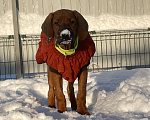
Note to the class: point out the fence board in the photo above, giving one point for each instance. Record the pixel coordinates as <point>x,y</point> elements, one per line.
<point>111,7</point>
<point>1,8</point>
<point>47,6</point>
<point>30,6</point>
<point>5,5</point>
<point>66,4</point>
<point>138,7</point>
<point>74,4</point>
<point>129,7</point>
<point>104,6</point>
<point>119,7</point>
<point>146,7</point>
<point>92,8</point>
<point>78,5</point>
<point>85,7</point>
<point>23,6</point>
<point>40,7</point>
<point>56,5</point>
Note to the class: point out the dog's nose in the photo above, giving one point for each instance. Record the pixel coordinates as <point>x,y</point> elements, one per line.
<point>65,36</point>
<point>65,33</point>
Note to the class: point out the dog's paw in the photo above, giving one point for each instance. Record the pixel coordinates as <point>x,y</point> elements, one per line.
<point>62,110</point>
<point>61,106</point>
<point>74,106</point>
<point>83,112</point>
<point>51,106</point>
<point>81,109</point>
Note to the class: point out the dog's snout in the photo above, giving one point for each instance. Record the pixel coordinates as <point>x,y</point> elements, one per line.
<point>65,39</point>
<point>65,36</point>
<point>65,33</point>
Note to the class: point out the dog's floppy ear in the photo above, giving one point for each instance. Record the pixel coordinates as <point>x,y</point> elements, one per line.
<point>47,27</point>
<point>82,26</point>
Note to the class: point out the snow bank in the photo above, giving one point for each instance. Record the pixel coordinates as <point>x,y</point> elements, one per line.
<point>133,95</point>
<point>31,23</point>
<point>115,22</point>
<point>122,94</point>
<point>6,24</point>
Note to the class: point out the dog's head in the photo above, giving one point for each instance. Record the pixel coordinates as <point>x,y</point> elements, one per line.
<point>65,26</point>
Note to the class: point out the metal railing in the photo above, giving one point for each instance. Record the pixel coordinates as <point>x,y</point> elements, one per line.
<point>127,49</point>
<point>29,49</point>
<point>122,49</point>
<point>7,58</point>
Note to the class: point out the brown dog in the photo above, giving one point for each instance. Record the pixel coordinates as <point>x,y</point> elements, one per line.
<point>61,28</point>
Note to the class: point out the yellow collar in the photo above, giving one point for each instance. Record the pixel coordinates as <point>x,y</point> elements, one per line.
<point>67,52</point>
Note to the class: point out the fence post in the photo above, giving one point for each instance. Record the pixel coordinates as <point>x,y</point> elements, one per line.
<point>18,47</point>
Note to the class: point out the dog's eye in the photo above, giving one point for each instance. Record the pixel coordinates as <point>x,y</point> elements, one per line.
<point>56,22</point>
<point>72,21</point>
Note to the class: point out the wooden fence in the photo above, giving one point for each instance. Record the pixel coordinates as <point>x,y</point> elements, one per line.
<point>85,7</point>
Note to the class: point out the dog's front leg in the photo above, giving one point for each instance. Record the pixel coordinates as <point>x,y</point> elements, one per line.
<point>58,89</point>
<point>71,95</point>
<point>51,95</point>
<point>81,96</point>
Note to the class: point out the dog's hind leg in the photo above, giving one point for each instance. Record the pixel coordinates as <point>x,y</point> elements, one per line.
<point>51,95</point>
<point>81,96</point>
<point>71,95</point>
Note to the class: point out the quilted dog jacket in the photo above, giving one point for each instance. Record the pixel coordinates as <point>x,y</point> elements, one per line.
<point>70,65</point>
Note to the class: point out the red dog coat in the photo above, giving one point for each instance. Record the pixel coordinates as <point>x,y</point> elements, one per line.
<point>70,66</point>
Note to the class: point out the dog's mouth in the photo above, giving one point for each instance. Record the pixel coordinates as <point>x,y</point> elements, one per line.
<point>65,39</point>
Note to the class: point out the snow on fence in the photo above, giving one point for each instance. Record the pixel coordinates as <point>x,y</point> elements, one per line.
<point>127,49</point>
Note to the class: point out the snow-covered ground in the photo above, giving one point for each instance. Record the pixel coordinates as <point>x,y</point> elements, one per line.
<point>113,95</point>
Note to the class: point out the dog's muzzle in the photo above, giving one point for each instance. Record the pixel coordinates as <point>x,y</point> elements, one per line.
<point>65,39</point>
<point>66,43</point>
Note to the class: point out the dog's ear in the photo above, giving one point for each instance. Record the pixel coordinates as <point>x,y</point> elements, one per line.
<point>82,26</point>
<point>47,27</point>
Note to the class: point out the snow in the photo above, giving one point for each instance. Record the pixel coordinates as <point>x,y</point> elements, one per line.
<point>31,23</point>
<point>112,95</point>
<point>65,32</point>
